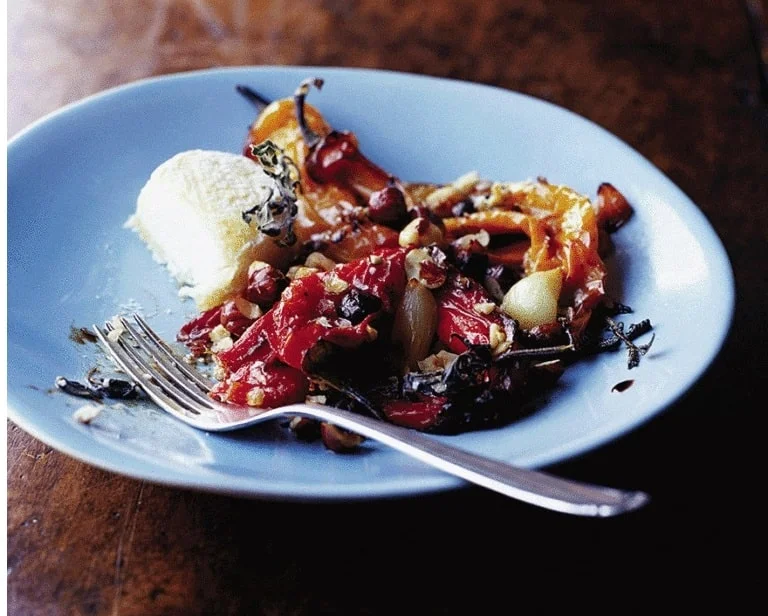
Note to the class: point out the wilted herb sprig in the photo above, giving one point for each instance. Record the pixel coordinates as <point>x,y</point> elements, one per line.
<point>97,387</point>
<point>275,216</point>
<point>635,352</point>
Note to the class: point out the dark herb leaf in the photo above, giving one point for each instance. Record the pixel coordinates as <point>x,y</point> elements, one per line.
<point>275,216</point>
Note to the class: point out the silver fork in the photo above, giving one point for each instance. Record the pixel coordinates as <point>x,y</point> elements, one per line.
<point>183,393</point>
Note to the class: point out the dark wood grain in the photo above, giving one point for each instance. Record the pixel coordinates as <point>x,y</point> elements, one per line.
<point>678,82</point>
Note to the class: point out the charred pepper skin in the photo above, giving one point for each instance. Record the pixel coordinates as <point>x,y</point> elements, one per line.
<point>460,319</point>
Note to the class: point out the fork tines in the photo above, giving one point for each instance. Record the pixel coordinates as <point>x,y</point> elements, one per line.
<point>142,354</point>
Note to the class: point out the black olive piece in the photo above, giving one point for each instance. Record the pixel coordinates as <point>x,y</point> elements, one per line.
<point>356,305</point>
<point>472,264</point>
<point>118,388</point>
<point>74,388</point>
<point>113,388</point>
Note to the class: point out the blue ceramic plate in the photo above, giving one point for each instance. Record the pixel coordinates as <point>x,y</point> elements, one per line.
<point>73,178</point>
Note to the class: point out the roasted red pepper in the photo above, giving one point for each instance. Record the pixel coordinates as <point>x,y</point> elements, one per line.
<point>461,303</point>
<point>313,311</point>
<point>613,209</point>
<point>258,377</point>
<point>421,414</point>
<point>276,383</point>
<point>196,333</point>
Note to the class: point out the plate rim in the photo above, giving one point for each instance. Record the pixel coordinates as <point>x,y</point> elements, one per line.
<point>399,487</point>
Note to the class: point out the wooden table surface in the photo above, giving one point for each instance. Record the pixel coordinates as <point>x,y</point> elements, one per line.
<point>678,81</point>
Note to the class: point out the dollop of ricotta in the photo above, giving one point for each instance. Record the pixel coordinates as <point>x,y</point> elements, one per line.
<point>189,213</point>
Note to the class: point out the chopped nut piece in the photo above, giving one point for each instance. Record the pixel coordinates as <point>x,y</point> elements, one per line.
<point>374,259</point>
<point>218,333</point>
<point>86,414</point>
<point>334,284</point>
<point>465,242</point>
<point>409,236</point>
<point>494,198</point>
<point>319,261</point>
<point>372,333</point>
<point>439,361</point>
<point>255,397</point>
<point>219,372</point>
<point>118,329</point>
<point>456,191</point>
<point>221,339</point>
<point>248,309</point>
<point>222,345</point>
<point>496,335</point>
<point>413,262</point>
<point>301,271</point>
<point>484,308</point>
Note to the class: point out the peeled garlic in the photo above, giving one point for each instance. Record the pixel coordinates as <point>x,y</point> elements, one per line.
<point>533,300</point>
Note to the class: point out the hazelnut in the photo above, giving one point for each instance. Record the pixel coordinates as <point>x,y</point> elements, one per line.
<point>419,265</point>
<point>339,440</point>
<point>387,206</point>
<point>420,232</point>
<point>248,309</point>
<point>305,429</point>
<point>232,318</point>
<point>265,284</point>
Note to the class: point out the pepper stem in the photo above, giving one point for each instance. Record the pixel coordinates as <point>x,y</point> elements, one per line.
<point>252,96</point>
<point>311,138</point>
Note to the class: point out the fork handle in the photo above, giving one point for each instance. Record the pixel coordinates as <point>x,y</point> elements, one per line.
<point>530,486</point>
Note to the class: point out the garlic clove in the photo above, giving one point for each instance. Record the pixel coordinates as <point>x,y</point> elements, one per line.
<point>533,300</point>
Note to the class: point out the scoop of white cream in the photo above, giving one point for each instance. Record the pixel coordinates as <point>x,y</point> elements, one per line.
<point>190,215</point>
